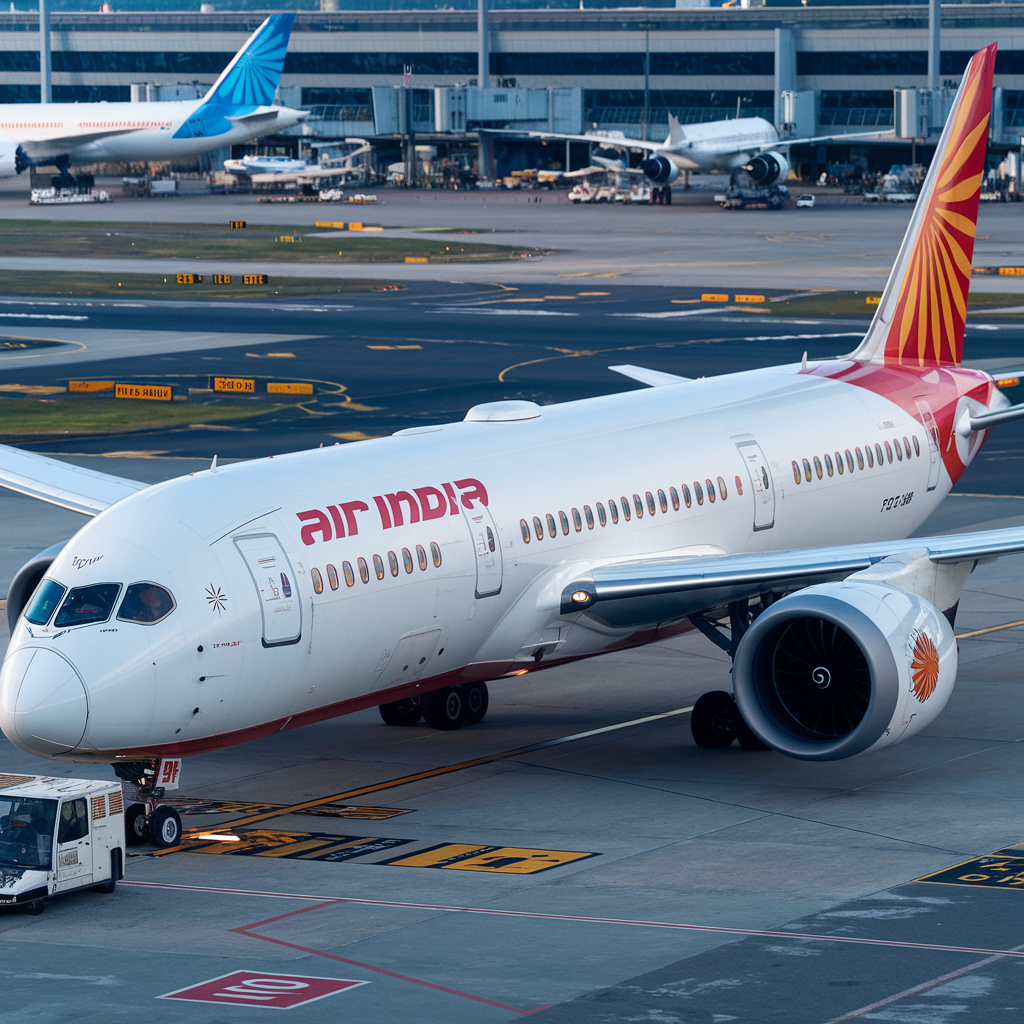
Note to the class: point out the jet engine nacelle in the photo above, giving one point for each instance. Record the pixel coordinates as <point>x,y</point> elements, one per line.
<point>26,579</point>
<point>842,668</point>
<point>12,159</point>
<point>660,169</point>
<point>768,168</point>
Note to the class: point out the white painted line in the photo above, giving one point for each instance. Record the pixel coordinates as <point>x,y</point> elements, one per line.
<point>504,312</point>
<point>41,316</point>
<point>675,314</point>
<point>607,728</point>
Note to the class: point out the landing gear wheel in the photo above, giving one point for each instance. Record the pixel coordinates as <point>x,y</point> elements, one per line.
<point>714,719</point>
<point>445,708</point>
<point>747,740</point>
<point>135,832</point>
<point>165,828</point>
<point>35,908</point>
<point>401,712</point>
<point>476,698</point>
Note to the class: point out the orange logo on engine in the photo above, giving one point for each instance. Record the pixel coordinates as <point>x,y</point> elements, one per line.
<point>924,668</point>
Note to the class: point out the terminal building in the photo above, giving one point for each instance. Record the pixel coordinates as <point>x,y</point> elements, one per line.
<point>810,70</point>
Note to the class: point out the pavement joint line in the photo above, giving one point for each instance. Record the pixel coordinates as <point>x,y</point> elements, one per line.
<point>1017,951</point>
<point>990,629</point>
<point>428,774</point>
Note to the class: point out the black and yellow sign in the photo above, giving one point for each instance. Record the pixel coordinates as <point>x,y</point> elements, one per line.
<point>90,386</point>
<point>1003,869</point>
<point>286,388</point>
<point>236,225</point>
<point>154,392</point>
<point>293,845</point>
<point>511,860</point>
<point>185,806</point>
<point>255,279</point>
<point>713,297</point>
<point>221,279</point>
<point>245,385</point>
<point>189,278</point>
<point>750,298</point>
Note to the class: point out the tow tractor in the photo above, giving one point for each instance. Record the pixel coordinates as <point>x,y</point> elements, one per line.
<point>772,197</point>
<point>58,835</point>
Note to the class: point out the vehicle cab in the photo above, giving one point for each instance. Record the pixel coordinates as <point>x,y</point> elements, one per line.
<point>58,835</point>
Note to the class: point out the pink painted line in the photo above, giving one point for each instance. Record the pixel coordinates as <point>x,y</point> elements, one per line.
<point>670,925</point>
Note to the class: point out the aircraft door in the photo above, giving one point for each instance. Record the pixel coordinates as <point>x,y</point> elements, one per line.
<point>275,584</point>
<point>760,483</point>
<point>487,547</point>
<point>74,854</point>
<point>934,450</point>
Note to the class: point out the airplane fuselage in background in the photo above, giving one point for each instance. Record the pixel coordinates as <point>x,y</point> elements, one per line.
<point>275,626</point>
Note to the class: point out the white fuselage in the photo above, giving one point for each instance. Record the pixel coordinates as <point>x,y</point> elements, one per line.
<point>236,660</point>
<point>721,145</point>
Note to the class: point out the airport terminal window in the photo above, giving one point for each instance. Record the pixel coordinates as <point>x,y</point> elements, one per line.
<point>614,509</point>
<point>88,604</point>
<point>871,62</point>
<point>19,60</point>
<point>26,831</point>
<point>435,551</point>
<point>860,459</point>
<point>364,570</point>
<point>564,519</point>
<point>139,62</point>
<point>538,527</point>
<point>19,93</point>
<point>332,577</point>
<point>917,446</point>
<point>600,515</point>
<point>639,506</point>
<point>650,503</point>
<point>525,527</point>
<point>318,582</point>
<point>686,495</point>
<point>377,63</point>
<point>552,529</point>
<point>663,501</point>
<point>698,493</point>
<point>74,822</point>
<point>576,521</point>
<point>625,508</point>
<point>350,576</point>
<point>711,490</point>
<point>407,559</point>
<point>349,97</point>
<point>713,63</point>
<point>145,602</point>
<point>44,600</point>
<point>722,492</point>
<point>589,516</point>
<point>421,557</point>
<point>378,566</point>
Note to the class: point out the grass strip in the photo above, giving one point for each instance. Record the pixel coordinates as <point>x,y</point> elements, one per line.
<point>847,304</point>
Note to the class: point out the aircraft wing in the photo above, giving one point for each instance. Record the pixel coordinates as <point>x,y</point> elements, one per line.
<point>59,483</point>
<point>40,148</point>
<point>650,590</point>
<point>614,141</point>
<point>888,133</point>
<point>652,378</point>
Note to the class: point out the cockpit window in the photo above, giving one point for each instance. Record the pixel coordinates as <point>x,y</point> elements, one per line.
<point>44,600</point>
<point>145,602</point>
<point>88,604</point>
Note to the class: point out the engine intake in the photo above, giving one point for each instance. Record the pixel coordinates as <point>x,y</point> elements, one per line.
<point>842,668</point>
<point>660,169</point>
<point>768,168</point>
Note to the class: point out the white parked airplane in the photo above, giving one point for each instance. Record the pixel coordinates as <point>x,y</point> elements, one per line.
<point>745,143</point>
<point>239,107</point>
<point>767,508</point>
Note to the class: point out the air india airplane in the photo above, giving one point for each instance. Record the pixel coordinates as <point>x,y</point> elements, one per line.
<point>766,508</point>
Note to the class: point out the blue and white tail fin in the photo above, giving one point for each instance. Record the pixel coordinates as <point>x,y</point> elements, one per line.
<point>250,80</point>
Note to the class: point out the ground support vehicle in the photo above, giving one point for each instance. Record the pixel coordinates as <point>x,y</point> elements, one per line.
<point>58,835</point>
<point>774,197</point>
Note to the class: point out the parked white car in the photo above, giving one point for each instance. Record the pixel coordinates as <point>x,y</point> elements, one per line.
<point>805,201</point>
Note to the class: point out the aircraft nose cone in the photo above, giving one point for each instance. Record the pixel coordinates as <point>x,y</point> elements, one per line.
<point>43,705</point>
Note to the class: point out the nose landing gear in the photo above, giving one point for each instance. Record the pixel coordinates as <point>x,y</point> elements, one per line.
<point>146,820</point>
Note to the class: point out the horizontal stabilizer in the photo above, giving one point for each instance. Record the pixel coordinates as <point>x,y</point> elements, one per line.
<point>257,116</point>
<point>60,483</point>
<point>652,378</point>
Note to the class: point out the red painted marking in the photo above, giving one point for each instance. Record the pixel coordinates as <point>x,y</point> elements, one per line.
<point>670,925</point>
<point>269,990</point>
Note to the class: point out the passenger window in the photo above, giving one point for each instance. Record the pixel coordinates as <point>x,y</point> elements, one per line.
<point>318,581</point>
<point>686,496</point>
<point>350,577</point>
<point>564,519</point>
<point>711,490</point>
<point>899,450</point>
<point>378,567</point>
<point>878,454</point>
<point>435,554</point>
<point>538,527</point>
<point>625,508</point>
<point>674,494</point>
<point>849,459</point>
<point>807,471</point>
<point>917,446</point>
<point>828,463</point>
<point>870,456</point>
<point>817,466</point>
<point>95,603</point>
<point>796,471</point>
<point>663,501</point>
<point>698,492</point>
<point>860,459</point>
<point>74,822</point>
<point>906,445</point>
<point>614,509</point>
<point>421,557</point>
<point>650,503</point>
<point>46,598</point>
<point>524,526</point>
<point>393,563</point>
<point>600,515</point>
<point>722,492</point>
<point>407,559</point>
<point>364,570</point>
<point>888,452</point>
<point>589,516</point>
<point>839,464</point>
<point>332,577</point>
<point>551,524</point>
<point>739,487</point>
<point>576,521</point>
<point>638,505</point>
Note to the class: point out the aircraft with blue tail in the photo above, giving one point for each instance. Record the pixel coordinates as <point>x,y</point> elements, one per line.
<point>239,107</point>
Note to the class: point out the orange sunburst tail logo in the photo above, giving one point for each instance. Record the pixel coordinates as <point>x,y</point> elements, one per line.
<point>924,668</point>
<point>920,319</point>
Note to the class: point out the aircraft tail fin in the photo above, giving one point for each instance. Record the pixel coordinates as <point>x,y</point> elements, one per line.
<point>675,131</point>
<point>920,319</point>
<point>250,80</point>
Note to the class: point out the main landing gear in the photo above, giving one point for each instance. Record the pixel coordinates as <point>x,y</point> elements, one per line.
<point>448,708</point>
<point>146,820</point>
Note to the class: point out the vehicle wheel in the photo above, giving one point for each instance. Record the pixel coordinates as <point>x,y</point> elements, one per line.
<point>714,719</point>
<point>35,908</point>
<point>401,712</point>
<point>476,698</point>
<point>445,708</point>
<point>165,828</point>
<point>747,740</point>
<point>135,830</point>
